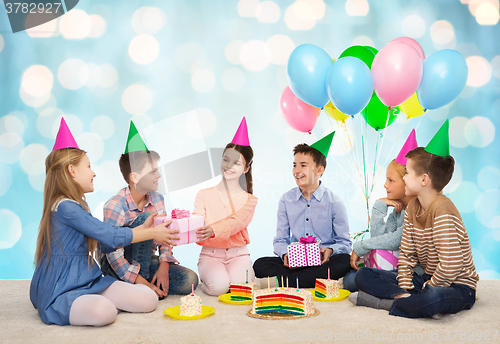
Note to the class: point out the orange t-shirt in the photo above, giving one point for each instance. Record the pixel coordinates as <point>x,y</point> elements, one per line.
<point>230,228</point>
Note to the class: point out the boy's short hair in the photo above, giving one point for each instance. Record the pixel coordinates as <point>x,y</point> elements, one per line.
<point>439,168</point>
<point>135,162</point>
<point>318,157</point>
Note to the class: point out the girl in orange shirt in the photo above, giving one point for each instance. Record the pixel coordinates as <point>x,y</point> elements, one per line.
<point>228,209</point>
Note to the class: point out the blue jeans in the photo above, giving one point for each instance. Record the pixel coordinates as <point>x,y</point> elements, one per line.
<point>348,281</point>
<point>422,303</point>
<point>180,278</point>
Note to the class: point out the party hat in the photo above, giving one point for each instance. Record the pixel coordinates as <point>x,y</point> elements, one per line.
<point>323,145</point>
<point>440,143</point>
<point>411,143</point>
<point>64,138</point>
<point>241,136</point>
<point>134,141</point>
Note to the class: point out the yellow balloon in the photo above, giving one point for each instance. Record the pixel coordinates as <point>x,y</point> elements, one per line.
<point>334,113</point>
<point>412,107</point>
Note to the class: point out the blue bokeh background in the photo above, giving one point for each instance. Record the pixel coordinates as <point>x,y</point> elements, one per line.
<point>186,72</point>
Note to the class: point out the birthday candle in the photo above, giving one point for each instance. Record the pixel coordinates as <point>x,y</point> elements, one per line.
<point>328,273</point>
<point>297,284</point>
<point>192,288</point>
<point>282,285</point>
<point>287,281</point>
<point>268,285</point>
<point>276,283</point>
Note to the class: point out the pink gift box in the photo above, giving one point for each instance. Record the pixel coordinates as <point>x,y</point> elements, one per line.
<point>382,259</point>
<point>304,254</point>
<point>187,226</point>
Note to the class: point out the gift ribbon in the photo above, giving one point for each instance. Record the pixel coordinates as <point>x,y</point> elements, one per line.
<point>180,214</point>
<point>308,240</point>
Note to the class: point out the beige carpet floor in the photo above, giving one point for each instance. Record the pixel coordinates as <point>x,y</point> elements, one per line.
<point>337,322</point>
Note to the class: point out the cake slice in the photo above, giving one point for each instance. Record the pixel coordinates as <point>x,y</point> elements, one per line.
<point>282,300</point>
<point>326,288</point>
<point>190,305</point>
<point>241,291</point>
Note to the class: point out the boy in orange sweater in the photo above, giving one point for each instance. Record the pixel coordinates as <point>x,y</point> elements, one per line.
<point>433,235</point>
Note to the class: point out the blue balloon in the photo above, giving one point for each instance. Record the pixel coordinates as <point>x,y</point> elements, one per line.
<point>349,85</point>
<point>307,67</point>
<point>444,78</point>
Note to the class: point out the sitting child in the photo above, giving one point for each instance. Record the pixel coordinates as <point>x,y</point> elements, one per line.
<point>228,209</point>
<point>138,263</point>
<point>433,235</point>
<point>310,209</point>
<point>67,286</point>
<point>386,234</point>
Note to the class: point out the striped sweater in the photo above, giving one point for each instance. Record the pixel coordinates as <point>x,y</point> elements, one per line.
<point>438,240</point>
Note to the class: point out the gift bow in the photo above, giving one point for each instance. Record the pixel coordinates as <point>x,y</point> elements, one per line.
<point>180,214</point>
<point>308,240</point>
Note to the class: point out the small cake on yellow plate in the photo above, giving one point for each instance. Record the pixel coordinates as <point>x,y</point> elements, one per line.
<point>326,288</point>
<point>190,305</point>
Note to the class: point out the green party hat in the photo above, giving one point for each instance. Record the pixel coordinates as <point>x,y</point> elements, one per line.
<point>440,143</point>
<point>323,145</point>
<point>134,141</point>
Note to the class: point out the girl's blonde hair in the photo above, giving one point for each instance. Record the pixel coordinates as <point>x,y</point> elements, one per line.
<point>400,168</point>
<point>59,185</point>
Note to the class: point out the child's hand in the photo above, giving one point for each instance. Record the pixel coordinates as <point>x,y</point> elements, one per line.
<point>285,260</point>
<point>149,221</point>
<point>354,260</point>
<point>166,235</point>
<point>205,232</point>
<point>161,277</point>
<point>325,254</point>
<point>396,203</point>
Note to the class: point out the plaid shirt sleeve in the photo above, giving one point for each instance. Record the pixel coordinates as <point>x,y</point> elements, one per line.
<point>166,254</point>
<point>126,271</point>
<point>115,215</point>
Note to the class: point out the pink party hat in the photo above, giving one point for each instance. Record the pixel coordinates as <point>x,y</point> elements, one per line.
<point>410,144</point>
<point>64,137</point>
<point>241,136</point>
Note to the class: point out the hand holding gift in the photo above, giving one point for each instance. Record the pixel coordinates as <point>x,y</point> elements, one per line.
<point>205,232</point>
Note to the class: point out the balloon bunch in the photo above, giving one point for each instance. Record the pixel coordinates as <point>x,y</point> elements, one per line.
<point>378,84</point>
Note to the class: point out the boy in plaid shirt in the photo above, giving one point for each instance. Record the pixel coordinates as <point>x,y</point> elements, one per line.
<point>131,206</point>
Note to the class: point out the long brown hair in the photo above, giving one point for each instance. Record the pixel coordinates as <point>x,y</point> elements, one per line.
<point>247,153</point>
<point>59,185</point>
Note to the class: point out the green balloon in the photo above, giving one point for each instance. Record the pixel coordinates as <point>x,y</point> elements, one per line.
<point>372,49</point>
<point>375,113</point>
<point>362,53</point>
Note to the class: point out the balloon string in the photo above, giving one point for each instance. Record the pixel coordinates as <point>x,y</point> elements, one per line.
<point>419,121</point>
<point>377,156</point>
<point>392,148</point>
<point>364,168</point>
<point>347,151</point>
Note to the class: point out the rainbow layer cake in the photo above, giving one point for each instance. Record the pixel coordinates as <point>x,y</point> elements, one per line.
<point>282,300</point>
<point>190,305</point>
<point>326,288</point>
<point>241,291</point>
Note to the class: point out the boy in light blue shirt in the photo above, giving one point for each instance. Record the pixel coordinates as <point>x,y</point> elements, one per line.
<point>310,209</point>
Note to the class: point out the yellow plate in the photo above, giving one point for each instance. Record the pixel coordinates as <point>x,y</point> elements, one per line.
<point>227,299</point>
<point>174,312</point>
<point>343,294</point>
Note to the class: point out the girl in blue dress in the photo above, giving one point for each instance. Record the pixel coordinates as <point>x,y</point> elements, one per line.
<point>67,285</point>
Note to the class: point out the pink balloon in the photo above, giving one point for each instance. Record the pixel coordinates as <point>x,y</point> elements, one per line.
<point>299,115</point>
<point>413,43</point>
<point>397,71</point>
